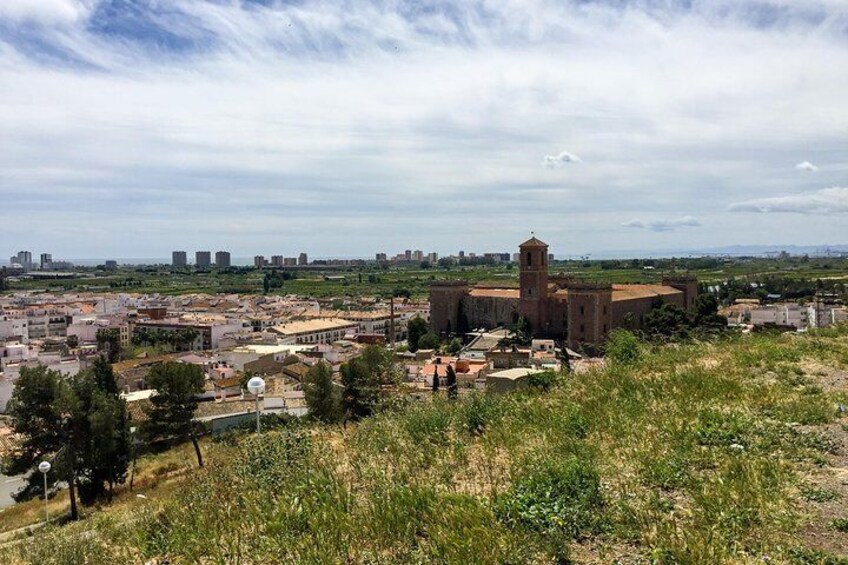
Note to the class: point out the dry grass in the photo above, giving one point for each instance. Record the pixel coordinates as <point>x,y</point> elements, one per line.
<point>701,453</point>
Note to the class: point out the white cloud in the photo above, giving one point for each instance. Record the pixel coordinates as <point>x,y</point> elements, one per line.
<point>806,166</point>
<point>826,201</point>
<point>557,161</point>
<point>210,112</point>
<point>663,225</point>
<point>46,11</point>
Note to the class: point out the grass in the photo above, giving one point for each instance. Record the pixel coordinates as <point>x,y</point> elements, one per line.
<point>691,454</point>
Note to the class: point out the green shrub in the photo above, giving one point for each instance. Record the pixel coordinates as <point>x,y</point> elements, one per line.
<point>623,347</point>
<point>818,494</point>
<point>840,525</point>
<point>554,496</point>
<point>544,381</point>
<point>481,410</point>
<point>718,429</point>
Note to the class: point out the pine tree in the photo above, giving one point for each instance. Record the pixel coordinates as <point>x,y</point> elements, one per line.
<point>415,330</point>
<point>361,389</point>
<point>322,396</point>
<point>452,386</point>
<point>171,415</point>
<point>82,429</point>
<point>105,376</point>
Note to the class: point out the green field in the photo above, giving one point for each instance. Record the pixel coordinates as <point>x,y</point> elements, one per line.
<point>374,281</point>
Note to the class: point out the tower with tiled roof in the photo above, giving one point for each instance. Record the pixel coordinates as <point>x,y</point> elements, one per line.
<point>533,278</point>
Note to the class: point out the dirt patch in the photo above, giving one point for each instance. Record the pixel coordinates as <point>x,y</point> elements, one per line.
<point>828,377</point>
<point>825,495</point>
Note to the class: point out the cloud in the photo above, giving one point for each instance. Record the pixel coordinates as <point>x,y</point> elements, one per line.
<point>806,166</point>
<point>663,225</point>
<point>826,201</point>
<point>557,161</point>
<point>46,12</point>
<point>207,113</point>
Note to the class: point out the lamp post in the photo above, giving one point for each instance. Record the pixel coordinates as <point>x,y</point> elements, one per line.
<point>256,386</point>
<point>44,467</point>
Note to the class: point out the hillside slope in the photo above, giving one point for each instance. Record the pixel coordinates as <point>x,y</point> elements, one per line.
<point>702,453</point>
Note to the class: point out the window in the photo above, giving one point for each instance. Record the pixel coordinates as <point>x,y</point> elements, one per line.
<point>529,259</point>
<point>605,310</point>
<point>529,291</point>
<point>582,311</point>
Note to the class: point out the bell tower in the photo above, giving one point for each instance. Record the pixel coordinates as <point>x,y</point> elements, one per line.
<point>533,278</point>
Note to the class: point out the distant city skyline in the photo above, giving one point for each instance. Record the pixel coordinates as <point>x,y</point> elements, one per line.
<point>736,250</point>
<point>126,129</point>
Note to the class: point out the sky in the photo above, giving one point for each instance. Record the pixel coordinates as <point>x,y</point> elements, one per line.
<point>345,128</point>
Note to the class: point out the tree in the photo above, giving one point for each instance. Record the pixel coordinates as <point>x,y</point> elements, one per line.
<point>72,422</point>
<point>361,389</point>
<point>183,338</point>
<point>37,416</point>
<point>666,320</point>
<point>436,380</point>
<point>523,331</point>
<point>706,316</point>
<point>622,347</point>
<point>362,379</point>
<point>109,341</point>
<point>102,435</point>
<point>72,341</point>
<point>451,382</point>
<point>428,341</point>
<point>455,346</point>
<point>322,396</point>
<point>564,359</point>
<point>170,416</point>
<point>105,376</point>
<point>544,380</point>
<point>415,329</point>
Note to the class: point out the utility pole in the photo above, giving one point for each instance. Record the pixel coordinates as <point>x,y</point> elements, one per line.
<point>392,321</point>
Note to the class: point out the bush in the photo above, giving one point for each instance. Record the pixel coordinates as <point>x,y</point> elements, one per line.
<point>840,525</point>
<point>555,496</point>
<point>428,341</point>
<point>479,411</point>
<point>623,347</point>
<point>544,381</point>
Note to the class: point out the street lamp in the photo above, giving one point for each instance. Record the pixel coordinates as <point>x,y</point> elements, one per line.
<point>44,467</point>
<point>256,386</point>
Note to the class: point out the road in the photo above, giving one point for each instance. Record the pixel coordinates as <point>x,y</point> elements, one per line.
<point>8,485</point>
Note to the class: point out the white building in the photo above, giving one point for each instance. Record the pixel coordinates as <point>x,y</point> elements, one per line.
<point>14,328</point>
<point>319,330</point>
<point>47,326</point>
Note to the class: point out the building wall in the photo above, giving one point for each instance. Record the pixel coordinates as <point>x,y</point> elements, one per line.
<point>445,305</point>
<point>14,328</point>
<point>41,327</point>
<point>630,314</point>
<point>589,315</point>
<point>556,325</point>
<point>203,258</point>
<point>489,311</point>
<point>688,285</point>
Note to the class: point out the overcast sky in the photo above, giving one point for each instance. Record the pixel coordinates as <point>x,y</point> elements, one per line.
<point>131,128</point>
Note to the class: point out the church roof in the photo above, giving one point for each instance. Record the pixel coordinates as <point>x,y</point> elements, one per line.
<point>533,242</point>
